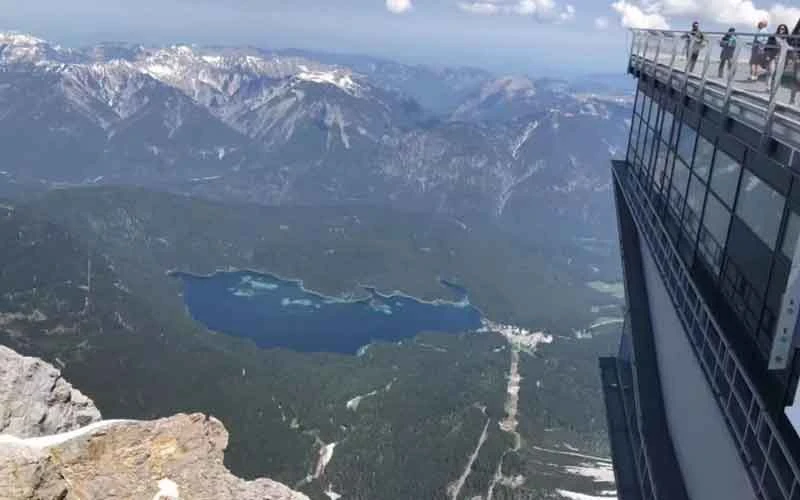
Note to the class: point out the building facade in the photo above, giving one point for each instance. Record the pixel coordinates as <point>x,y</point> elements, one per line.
<point>700,398</point>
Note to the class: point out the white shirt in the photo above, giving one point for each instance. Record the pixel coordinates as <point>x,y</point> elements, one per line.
<point>762,36</point>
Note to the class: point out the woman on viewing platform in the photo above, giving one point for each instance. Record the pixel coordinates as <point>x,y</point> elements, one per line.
<point>794,57</point>
<point>757,52</point>
<point>771,52</point>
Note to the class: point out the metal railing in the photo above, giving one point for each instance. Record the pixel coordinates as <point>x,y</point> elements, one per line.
<point>755,77</point>
<point>771,466</point>
<point>626,380</point>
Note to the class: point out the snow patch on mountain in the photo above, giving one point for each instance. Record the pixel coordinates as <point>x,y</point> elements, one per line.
<point>571,495</point>
<point>601,472</point>
<point>41,442</point>
<point>340,79</point>
<point>509,87</point>
<point>522,139</point>
<point>13,38</point>
<point>325,457</point>
<point>335,116</point>
<point>160,71</point>
<point>454,488</point>
<point>22,48</point>
<point>332,494</point>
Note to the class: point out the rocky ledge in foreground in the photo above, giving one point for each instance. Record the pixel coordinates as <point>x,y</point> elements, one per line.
<point>179,457</point>
<point>36,401</point>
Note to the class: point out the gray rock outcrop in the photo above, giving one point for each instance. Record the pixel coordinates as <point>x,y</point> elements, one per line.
<point>168,459</point>
<point>180,457</point>
<point>36,401</point>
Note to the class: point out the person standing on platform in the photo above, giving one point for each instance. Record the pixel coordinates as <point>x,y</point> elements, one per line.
<point>757,60</point>
<point>794,58</point>
<point>772,52</point>
<point>728,44</point>
<point>695,40</point>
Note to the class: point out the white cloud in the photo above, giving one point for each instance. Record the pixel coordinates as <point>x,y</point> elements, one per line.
<point>541,9</point>
<point>633,16</point>
<point>398,6</point>
<point>533,7</point>
<point>745,13</point>
<point>484,8</point>
<point>783,14</point>
<point>568,14</point>
<point>601,23</point>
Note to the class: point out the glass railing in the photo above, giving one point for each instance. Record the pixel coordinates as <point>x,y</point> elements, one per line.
<point>754,77</point>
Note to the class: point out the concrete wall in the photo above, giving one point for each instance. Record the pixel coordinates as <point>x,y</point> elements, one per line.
<point>706,452</point>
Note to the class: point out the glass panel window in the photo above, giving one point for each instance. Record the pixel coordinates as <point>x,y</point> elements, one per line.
<point>648,146</point>
<point>790,238</point>
<point>694,207</point>
<point>662,158</point>
<point>680,179</point>
<point>717,219</point>
<point>702,158</point>
<point>686,143</point>
<point>646,108</point>
<point>725,177</point>
<point>642,138</point>
<point>760,207</point>
<point>634,141</point>
<point>714,232</point>
<point>666,128</point>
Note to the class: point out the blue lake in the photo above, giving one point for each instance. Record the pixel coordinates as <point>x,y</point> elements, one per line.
<point>280,313</point>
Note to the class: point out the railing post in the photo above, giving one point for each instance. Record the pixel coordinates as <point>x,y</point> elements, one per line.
<point>675,46</point>
<point>774,85</point>
<point>635,46</point>
<point>634,38</point>
<point>729,84</point>
<point>689,48</point>
<point>786,326</point>
<point>704,76</point>
<point>643,57</point>
<point>658,52</point>
<point>643,44</point>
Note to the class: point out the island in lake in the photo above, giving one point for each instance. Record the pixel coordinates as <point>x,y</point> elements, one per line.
<point>278,313</point>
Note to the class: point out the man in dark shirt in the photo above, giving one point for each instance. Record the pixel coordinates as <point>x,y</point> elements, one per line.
<point>728,45</point>
<point>695,40</point>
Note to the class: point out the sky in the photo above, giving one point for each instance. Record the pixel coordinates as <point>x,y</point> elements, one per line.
<point>535,37</point>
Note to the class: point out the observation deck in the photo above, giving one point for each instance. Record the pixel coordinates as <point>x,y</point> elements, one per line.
<point>770,103</point>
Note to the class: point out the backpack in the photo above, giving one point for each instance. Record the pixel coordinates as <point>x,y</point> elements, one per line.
<point>728,41</point>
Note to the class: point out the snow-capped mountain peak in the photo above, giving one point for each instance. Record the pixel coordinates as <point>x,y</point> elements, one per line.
<point>338,78</point>
<point>509,87</point>
<point>20,39</point>
<point>22,48</point>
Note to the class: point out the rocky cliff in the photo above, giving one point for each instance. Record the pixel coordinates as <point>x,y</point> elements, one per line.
<point>167,459</point>
<point>36,401</point>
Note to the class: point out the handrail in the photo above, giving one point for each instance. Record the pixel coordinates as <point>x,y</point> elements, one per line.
<point>716,70</point>
<point>683,32</point>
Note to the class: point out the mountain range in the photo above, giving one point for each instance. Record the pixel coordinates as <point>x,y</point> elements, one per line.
<point>304,128</point>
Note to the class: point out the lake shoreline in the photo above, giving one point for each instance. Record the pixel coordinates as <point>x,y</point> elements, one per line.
<point>276,312</point>
<point>346,297</point>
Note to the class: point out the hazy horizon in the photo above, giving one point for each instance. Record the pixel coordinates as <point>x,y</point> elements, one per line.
<point>559,38</point>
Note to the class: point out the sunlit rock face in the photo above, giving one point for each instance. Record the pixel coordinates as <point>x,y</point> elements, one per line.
<point>36,401</point>
<point>171,458</point>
